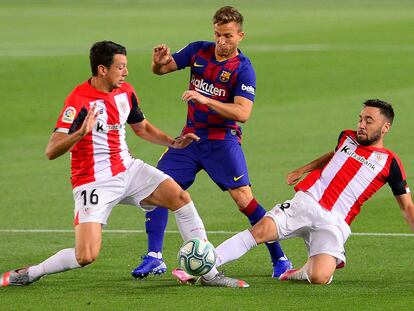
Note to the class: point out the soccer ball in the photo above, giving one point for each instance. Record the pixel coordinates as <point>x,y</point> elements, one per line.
<point>196,257</point>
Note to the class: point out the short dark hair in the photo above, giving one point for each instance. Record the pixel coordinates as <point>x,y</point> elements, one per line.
<point>102,53</point>
<point>384,107</point>
<point>228,14</point>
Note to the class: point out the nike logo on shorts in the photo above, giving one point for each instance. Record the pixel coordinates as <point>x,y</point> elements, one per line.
<point>198,65</point>
<point>237,178</point>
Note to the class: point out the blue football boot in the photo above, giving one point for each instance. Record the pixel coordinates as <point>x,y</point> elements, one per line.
<point>280,267</point>
<point>149,265</point>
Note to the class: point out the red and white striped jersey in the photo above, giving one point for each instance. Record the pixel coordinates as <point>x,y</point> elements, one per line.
<point>353,175</point>
<point>103,152</point>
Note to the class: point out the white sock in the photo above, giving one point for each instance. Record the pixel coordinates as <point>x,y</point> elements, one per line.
<point>300,275</point>
<point>157,255</point>
<point>189,222</point>
<point>191,226</point>
<point>59,262</point>
<point>235,247</point>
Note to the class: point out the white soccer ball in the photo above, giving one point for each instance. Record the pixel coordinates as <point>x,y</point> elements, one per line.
<point>196,257</point>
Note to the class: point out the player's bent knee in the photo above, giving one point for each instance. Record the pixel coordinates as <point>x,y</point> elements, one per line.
<point>264,231</point>
<point>320,278</point>
<point>241,196</point>
<point>184,197</point>
<point>85,259</point>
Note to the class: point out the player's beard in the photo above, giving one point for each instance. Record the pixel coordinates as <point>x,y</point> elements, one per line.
<point>369,140</point>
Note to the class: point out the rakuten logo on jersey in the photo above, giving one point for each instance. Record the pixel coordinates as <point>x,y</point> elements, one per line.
<point>248,88</point>
<point>206,88</point>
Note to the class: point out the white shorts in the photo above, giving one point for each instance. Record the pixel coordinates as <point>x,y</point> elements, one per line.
<point>94,201</point>
<point>323,231</point>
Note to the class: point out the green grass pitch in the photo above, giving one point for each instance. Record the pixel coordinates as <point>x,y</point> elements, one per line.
<point>316,62</point>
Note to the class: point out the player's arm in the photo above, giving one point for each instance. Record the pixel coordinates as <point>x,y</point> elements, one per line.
<point>244,91</point>
<point>162,61</point>
<point>239,111</point>
<point>60,143</point>
<point>407,208</point>
<point>149,132</point>
<point>294,176</point>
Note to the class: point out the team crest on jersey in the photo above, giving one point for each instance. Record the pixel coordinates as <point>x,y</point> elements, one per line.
<point>69,115</point>
<point>225,76</point>
<point>379,157</point>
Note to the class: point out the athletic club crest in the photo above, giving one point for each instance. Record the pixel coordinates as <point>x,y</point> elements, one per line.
<point>379,157</point>
<point>225,76</point>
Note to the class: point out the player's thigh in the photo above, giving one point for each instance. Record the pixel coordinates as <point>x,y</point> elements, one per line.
<point>225,163</point>
<point>94,201</point>
<point>181,164</point>
<point>329,240</point>
<point>321,267</point>
<point>143,180</point>
<point>168,194</point>
<point>88,238</point>
<point>292,218</point>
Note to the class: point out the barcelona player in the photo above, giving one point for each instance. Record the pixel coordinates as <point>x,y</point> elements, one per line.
<point>221,93</point>
<point>329,198</point>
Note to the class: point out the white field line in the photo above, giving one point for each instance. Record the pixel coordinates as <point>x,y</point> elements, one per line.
<point>282,48</point>
<point>372,234</point>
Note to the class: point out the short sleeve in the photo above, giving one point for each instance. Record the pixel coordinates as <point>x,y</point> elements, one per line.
<point>135,115</point>
<point>246,83</point>
<point>71,116</point>
<point>396,179</point>
<point>183,57</point>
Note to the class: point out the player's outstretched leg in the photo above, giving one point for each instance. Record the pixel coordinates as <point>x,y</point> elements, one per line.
<point>61,261</point>
<point>254,212</point>
<point>170,195</point>
<point>191,226</point>
<point>88,243</point>
<point>153,263</point>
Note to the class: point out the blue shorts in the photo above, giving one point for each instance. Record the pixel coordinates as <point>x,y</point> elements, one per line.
<point>223,160</point>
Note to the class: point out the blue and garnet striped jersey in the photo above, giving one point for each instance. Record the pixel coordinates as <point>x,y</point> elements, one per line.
<point>221,81</point>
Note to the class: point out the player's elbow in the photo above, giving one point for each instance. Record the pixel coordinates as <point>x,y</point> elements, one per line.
<point>50,155</point>
<point>243,117</point>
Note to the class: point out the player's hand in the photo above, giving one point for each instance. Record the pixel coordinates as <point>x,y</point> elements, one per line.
<point>293,177</point>
<point>89,121</point>
<point>183,141</point>
<point>161,55</point>
<point>195,96</point>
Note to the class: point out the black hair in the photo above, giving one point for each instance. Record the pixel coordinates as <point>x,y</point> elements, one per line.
<point>102,53</point>
<point>384,107</point>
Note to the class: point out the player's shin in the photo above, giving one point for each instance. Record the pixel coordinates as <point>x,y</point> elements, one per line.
<point>191,226</point>
<point>235,247</point>
<point>155,224</point>
<point>59,262</point>
<point>189,222</point>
